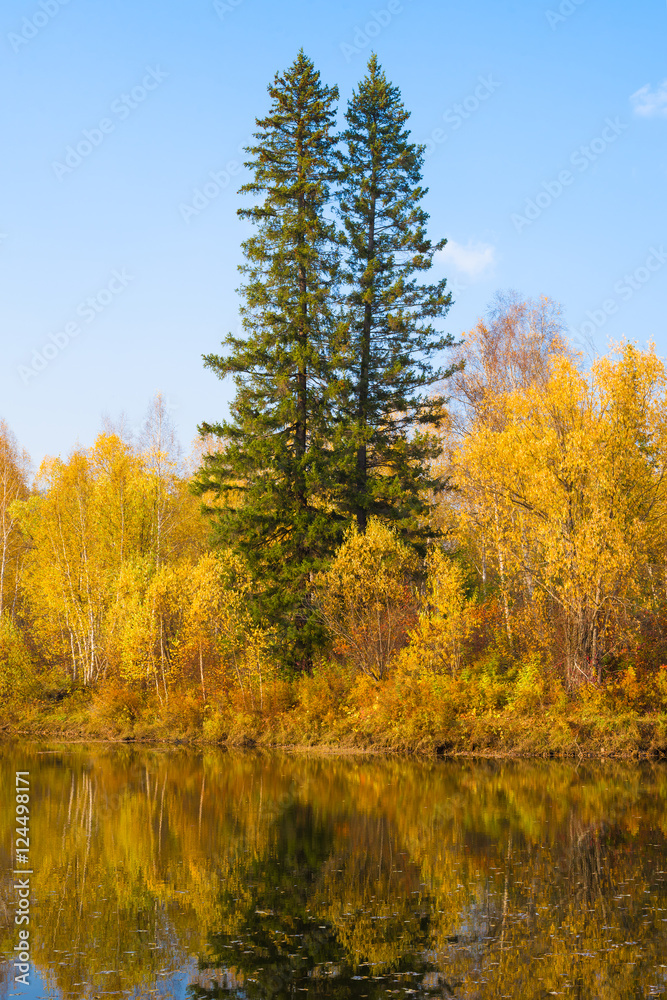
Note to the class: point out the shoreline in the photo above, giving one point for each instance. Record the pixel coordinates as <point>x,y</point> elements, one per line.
<point>642,738</point>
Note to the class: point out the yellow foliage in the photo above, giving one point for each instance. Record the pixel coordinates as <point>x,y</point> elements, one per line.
<point>14,465</point>
<point>437,643</point>
<point>366,597</point>
<point>187,621</point>
<point>661,687</point>
<point>529,687</point>
<point>16,667</point>
<point>100,526</point>
<point>567,495</point>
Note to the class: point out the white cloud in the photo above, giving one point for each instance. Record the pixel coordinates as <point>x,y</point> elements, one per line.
<point>471,261</point>
<point>650,103</point>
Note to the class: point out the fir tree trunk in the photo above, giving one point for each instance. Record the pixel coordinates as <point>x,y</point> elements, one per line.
<point>364,371</point>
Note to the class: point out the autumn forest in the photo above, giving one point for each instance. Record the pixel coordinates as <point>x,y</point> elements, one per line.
<point>399,539</point>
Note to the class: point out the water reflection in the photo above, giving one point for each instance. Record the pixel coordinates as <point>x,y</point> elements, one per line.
<point>177,875</point>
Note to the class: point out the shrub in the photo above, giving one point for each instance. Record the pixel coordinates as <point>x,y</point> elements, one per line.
<point>438,642</point>
<point>529,691</point>
<point>367,598</point>
<point>16,667</point>
<point>116,707</point>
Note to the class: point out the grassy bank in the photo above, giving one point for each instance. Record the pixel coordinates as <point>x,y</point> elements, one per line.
<point>334,709</point>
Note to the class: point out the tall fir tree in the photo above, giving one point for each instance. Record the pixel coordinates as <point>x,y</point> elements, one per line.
<point>270,480</point>
<point>384,441</point>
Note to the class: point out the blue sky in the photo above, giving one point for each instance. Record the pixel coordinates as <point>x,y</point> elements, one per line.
<point>545,124</point>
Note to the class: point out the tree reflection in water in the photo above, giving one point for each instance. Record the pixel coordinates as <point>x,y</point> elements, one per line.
<point>341,877</point>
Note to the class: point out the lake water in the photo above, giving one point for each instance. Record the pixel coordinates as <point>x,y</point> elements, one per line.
<point>176,874</point>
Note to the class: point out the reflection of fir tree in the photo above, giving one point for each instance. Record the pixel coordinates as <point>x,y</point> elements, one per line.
<point>282,943</point>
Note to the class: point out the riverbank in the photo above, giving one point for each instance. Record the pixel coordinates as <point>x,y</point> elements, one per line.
<point>312,715</point>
